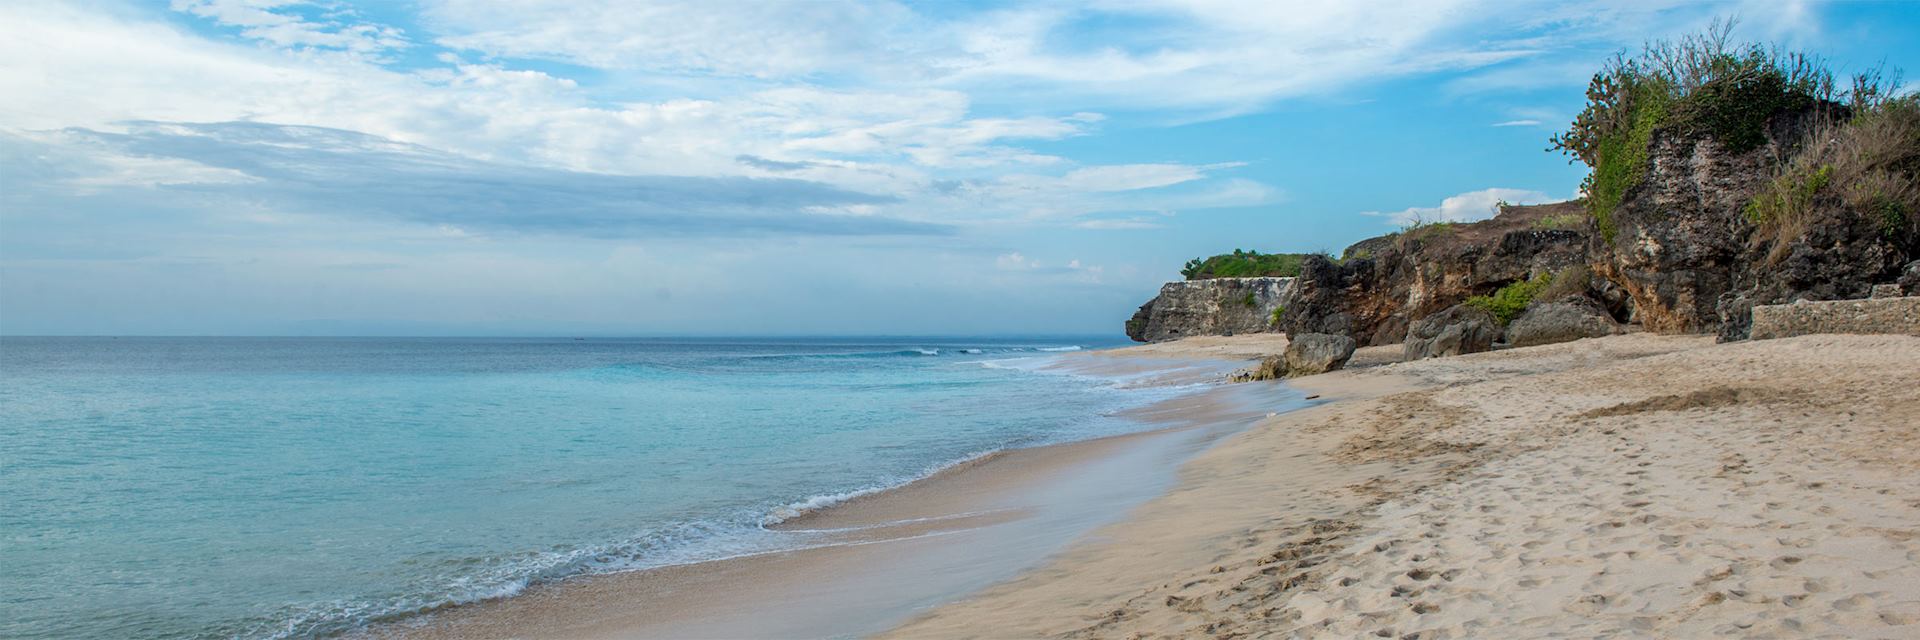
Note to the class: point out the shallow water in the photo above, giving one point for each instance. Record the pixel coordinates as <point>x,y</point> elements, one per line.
<point>169,487</point>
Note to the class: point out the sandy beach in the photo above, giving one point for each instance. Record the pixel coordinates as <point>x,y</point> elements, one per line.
<point>1633,486</point>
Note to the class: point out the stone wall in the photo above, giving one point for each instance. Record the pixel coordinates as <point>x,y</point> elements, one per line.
<point>1876,315</point>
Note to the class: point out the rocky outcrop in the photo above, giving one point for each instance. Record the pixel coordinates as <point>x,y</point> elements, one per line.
<point>1675,238</point>
<point>1838,257</point>
<point>1683,247</point>
<point>1311,353</point>
<point>1564,320</point>
<point>1875,315</point>
<point>1381,285</point>
<point>1677,254</point>
<point>1460,329</point>
<point>1218,306</point>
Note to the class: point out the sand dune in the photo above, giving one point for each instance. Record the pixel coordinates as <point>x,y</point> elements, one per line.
<point>1634,486</point>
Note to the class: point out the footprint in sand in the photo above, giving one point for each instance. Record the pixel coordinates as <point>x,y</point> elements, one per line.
<point>1854,602</point>
<point>1589,604</point>
<point>1901,614</point>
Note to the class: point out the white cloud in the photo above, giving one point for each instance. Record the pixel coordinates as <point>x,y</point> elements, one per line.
<point>1019,264</point>
<point>766,38</point>
<point>1119,224</point>
<point>274,22</point>
<point>1518,123</point>
<point>895,141</point>
<point>1213,57</point>
<point>1466,207</point>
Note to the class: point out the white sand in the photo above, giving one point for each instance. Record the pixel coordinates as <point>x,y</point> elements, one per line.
<point>1634,486</point>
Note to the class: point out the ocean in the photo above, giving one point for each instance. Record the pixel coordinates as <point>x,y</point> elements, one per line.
<point>301,487</point>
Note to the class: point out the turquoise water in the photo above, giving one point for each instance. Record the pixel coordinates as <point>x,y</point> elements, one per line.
<point>267,487</point>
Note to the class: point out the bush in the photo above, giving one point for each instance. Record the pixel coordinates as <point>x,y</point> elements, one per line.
<point>1868,165</point>
<point>1420,231</point>
<point>1700,85</point>
<point>1567,282</point>
<point>1279,314</point>
<point>1511,300</point>
<point>1244,264</point>
<point>1559,222</point>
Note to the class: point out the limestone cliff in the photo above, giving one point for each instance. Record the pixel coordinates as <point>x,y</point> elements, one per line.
<point>1383,285</point>
<point>1218,306</point>
<point>1686,248</point>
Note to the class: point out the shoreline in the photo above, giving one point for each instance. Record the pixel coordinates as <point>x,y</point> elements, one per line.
<point>973,523</point>
<point>1637,485</point>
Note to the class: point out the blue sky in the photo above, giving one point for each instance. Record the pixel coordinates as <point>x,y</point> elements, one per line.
<point>448,167</point>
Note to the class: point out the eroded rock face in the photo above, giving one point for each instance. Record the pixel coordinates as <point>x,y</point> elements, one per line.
<point>1678,235</point>
<point>1311,353</point>
<point>1564,320</point>
<point>1685,251</point>
<point>1839,257</point>
<point>1460,329</point>
<point>1381,285</point>
<point>1219,306</point>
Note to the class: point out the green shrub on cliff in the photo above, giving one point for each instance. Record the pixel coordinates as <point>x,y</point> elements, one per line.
<point>1509,301</point>
<point>1244,264</point>
<point>1868,165</point>
<point>1420,231</point>
<point>1699,85</point>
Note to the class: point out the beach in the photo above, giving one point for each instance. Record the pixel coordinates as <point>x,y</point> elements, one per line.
<point>1632,486</point>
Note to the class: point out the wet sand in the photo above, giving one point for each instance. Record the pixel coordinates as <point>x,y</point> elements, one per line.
<point>891,555</point>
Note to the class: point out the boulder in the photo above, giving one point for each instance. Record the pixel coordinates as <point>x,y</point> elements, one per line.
<point>1312,353</point>
<point>1460,329</point>
<point>1565,320</point>
<point>1910,279</point>
<point>1270,368</point>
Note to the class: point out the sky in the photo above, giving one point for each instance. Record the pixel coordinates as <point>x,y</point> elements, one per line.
<point>712,167</point>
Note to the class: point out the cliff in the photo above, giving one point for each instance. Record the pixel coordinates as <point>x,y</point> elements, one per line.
<point>1721,178</point>
<point>1380,286</point>
<point>1217,306</point>
<point>1684,249</point>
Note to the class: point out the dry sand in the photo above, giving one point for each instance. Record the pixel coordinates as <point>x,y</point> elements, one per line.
<point>1633,486</point>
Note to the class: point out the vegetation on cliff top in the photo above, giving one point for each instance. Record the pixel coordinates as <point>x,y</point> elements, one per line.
<point>1868,165</point>
<point>1700,85</point>
<point>1244,264</point>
